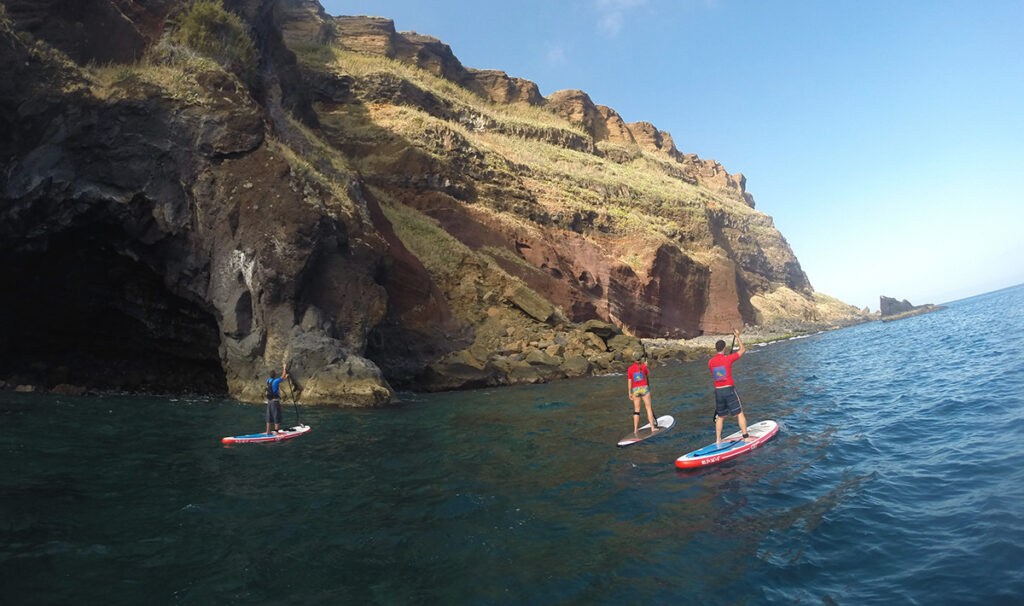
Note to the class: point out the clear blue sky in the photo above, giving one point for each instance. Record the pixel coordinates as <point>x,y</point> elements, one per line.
<point>886,139</point>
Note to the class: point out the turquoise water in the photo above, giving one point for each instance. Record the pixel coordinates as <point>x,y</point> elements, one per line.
<point>897,476</point>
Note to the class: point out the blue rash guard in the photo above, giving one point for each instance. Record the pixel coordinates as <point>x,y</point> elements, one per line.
<point>274,388</point>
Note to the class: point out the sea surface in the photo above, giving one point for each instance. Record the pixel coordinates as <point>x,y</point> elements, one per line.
<point>897,477</point>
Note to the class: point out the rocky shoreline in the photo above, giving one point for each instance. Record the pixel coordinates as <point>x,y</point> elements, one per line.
<point>590,349</point>
<point>924,309</point>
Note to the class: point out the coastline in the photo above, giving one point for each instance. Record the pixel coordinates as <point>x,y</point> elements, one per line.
<point>924,309</point>
<point>687,350</point>
<point>533,362</point>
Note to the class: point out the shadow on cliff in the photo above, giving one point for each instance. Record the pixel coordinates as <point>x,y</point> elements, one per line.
<point>419,327</point>
<point>79,313</point>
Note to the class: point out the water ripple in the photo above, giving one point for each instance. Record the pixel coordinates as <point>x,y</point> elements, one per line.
<point>894,478</point>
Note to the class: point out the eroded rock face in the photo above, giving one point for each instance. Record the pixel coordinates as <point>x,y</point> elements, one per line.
<point>650,138</point>
<point>614,128</point>
<point>605,124</point>
<point>89,30</point>
<point>304,22</point>
<point>499,87</point>
<point>889,306</point>
<point>891,309</point>
<point>662,291</point>
<point>709,171</point>
<point>576,107</point>
<point>377,36</point>
<point>369,229</point>
<point>218,260</point>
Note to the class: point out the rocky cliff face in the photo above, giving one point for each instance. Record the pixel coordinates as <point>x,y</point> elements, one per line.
<point>890,307</point>
<point>164,236</point>
<point>355,202</point>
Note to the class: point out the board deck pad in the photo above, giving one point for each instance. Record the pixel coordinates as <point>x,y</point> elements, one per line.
<point>665,423</point>
<point>732,446</point>
<point>257,438</point>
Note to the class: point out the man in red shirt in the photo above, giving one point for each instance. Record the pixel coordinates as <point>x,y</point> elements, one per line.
<point>638,387</point>
<point>726,400</point>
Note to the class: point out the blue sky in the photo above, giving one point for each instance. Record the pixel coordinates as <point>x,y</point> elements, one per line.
<point>886,139</point>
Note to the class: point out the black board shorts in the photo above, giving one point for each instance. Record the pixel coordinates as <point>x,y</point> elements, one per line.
<point>274,411</point>
<point>727,401</point>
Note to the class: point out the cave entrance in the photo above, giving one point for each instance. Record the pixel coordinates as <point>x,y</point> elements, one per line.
<point>79,313</point>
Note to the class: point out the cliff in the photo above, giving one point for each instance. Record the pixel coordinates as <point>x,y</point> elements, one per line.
<point>184,215</point>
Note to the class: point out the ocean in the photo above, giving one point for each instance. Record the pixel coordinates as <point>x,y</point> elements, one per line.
<point>897,476</point>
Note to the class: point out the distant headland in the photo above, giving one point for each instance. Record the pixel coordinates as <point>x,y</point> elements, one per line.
<point>891,309</point>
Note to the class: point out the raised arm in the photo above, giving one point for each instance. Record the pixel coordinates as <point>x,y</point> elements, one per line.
<point>743,348</point>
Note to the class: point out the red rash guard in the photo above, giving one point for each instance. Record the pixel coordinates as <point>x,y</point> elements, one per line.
<point>637,374</point>
<point>721,368</point>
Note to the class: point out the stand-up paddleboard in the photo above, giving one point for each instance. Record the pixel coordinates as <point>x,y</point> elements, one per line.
<point>732,446</point>
<point>255,438</point>
<point>665,423</point>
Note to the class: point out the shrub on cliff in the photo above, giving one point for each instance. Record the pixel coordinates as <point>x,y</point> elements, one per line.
<point>210,29</point>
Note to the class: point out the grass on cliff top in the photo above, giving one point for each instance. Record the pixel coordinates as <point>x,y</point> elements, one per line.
<point>642,182</point>
<point>205,36</point>
<point>559,189</point>
<point>646,182</point>
<point>649,175</point>
<point>385,131</point>
<point>321,56</point>
<point>646,197</point>
<point>638,192</point>
<point>832,307</point>
<point>169,67</point>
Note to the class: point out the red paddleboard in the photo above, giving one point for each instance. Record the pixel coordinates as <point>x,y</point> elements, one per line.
<point>256,438</point>
<point>732,446</point>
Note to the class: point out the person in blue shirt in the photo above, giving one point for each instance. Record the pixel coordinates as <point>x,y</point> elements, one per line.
<point>274,398</point>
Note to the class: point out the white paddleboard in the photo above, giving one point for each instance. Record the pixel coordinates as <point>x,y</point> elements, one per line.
<point>665,423</point>
<point>259,438</point>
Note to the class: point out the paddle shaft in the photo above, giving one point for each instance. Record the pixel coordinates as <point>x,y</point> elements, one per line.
<point>291,392</point>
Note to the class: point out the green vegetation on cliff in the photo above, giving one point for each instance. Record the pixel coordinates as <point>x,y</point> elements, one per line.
<point>524,173</point>
<point>362,215</point>
<point>209,28</point>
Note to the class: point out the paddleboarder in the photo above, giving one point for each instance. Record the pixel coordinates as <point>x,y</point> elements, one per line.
<point>727,402</point>
<point>274,398</point>
<point>638,388</point>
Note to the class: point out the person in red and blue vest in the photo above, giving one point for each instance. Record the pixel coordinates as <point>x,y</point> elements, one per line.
<point>727,402</point>
<point>638,386</point>
<point>274,398</point>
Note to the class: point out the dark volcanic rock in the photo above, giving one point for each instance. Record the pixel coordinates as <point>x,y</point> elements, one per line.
<point>162,245</point>
<point>891,307</point>
<point>89,30</point>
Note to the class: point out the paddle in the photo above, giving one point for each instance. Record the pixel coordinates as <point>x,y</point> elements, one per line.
<point>291,392</point>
